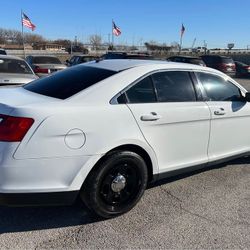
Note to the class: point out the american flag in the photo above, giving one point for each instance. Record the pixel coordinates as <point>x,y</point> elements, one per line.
<point>116,30</point>
<point>26,22</point>
<point>182,30</point>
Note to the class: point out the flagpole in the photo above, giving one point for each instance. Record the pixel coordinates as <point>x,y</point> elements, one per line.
<point>180,44</point>
<point>22,34</point>
<point>112,35</point>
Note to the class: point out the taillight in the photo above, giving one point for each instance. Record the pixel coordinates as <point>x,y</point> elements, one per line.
<point>13,129</point>
<point>37,69</point>
<point>222,65</point>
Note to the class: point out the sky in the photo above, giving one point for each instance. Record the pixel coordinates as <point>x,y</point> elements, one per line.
<point>217,22</point>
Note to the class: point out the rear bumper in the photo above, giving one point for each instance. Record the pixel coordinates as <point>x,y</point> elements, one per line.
<point>38,199</point>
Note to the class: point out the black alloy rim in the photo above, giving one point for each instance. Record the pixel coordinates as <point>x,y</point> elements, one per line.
<point>128,194</point>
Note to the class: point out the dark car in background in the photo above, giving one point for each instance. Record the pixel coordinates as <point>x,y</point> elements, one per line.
<point>187,59</point>
<point>77,59</point>
<point>45,65</point>
<point>3,52</point>
<point>222,63</point>
<point>124,55</point>
<point>242,69</point>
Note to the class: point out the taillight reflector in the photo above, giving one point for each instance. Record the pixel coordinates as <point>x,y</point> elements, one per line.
<point>13,129</point>
<point>39,70</point>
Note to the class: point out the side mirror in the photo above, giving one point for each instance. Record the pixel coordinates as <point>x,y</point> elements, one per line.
<point>247,96</point>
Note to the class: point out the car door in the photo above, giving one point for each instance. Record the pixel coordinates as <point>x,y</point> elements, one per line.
<point>230,115</point>
<point>172,120</point>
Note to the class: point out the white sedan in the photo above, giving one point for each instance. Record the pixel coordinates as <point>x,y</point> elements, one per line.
<point>103,130</point>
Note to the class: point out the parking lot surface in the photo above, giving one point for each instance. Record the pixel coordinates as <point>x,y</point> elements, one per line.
<point>203,209</point>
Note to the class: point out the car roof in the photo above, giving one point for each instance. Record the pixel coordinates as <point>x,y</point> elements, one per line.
<point>123,64</point>
<point>84,56</point>
<point>10,57</point>
<point>188,57</point>
<point>217,56</point>
<point>43,56</point>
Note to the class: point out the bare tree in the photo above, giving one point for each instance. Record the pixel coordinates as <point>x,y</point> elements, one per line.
<point>8,36</point>
<point>34,38</point>
<point>95,41</point>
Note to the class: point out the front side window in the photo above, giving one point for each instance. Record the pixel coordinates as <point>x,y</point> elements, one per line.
<point>174,86</point>
<point>218,89</point>
<point>142,92</point>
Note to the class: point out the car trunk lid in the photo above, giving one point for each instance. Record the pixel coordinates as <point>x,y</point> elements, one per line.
<point>48,68</point>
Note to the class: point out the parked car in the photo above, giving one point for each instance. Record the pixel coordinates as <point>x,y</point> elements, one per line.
<point>187,59</point>
<point>78,59</point>
<point>15,71</point>
<point>45,65</point>
<point>242,69</point>
<point>105,129</point>
<point>222,63</point>
<point>3,52</point>
<point>124,55</point>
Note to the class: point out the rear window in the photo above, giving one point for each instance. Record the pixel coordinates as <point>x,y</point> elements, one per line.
<point>196,61</point>
<point>227,60</point>
<point>114,56</point>
<point>13,66</point>
<point>68,82</point>
<point>46,60</point>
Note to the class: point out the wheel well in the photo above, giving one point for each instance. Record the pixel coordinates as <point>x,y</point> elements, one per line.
<point>136,149</point>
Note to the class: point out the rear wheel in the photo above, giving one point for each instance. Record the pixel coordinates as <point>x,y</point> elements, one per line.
<point>116,185</point>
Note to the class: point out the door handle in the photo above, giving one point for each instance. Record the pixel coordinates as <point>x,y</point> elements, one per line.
<point>150,117</point>
<point>220,112</point>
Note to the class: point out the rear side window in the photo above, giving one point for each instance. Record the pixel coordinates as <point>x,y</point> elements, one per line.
<point>217,89</point>
<point>68,82</point>
<point>174,86</point>
<point>142,92</point>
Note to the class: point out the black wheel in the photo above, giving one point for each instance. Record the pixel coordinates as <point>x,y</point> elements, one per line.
<point>116,185</point>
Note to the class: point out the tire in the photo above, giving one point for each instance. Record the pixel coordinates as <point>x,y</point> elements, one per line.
<point>116,185</point>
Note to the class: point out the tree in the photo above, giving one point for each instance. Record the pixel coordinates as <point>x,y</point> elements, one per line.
<point>95,41</point>
<point>34,38</point>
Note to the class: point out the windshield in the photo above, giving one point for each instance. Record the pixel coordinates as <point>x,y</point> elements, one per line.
<point>68,82</point>
<point>14,66</point>
<point>46,60</point>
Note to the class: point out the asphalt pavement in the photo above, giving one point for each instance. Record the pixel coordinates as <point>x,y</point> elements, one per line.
<point>205,209</point>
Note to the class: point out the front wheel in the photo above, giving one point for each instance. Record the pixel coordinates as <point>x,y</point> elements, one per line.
<point>116,185</point>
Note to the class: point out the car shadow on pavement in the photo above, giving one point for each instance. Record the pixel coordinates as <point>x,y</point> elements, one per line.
<point>21,219</point>
<point>38,218</point>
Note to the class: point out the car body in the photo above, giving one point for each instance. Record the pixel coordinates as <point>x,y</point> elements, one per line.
<point>105,129</point>
<point>187,59</point>
<point>78,59</point>
<point>45,65</point>
<point>242,69</point>
<point>3,52</point>
<point>124,55</point>
<point>15,71</point>
<point>222,63</point>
